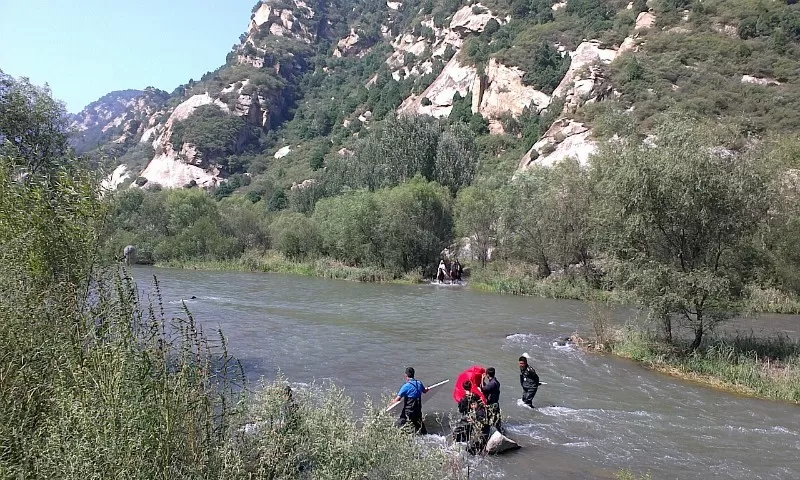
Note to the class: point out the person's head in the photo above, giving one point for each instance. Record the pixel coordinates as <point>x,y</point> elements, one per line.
<point>523,361</point>
<point>287,391</point>
<point>409,372</point>
<point>490,372</point>
<point>474,404</point>
<point>467,385</point>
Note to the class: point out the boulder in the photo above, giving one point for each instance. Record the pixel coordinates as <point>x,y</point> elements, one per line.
<point>170,172</point>
<point>305,184</point>
<point>499,443</point>
<point>644,21</point>
<point>763,81</point>
<point>282,152</point>
<point>466,20</point>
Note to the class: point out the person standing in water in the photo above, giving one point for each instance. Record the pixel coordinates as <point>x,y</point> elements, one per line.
<point>411,395</point>
<point>529,381</point>
<point>441,274</point>
<point>491,388</point>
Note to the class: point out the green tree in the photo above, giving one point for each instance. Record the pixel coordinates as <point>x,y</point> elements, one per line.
<point>417,224</point>
<point>677,217</point>
<point>350,228</point>
<point>477,216</point>
<point>294,235</point>
<point>34,128</point>
<point>456,160</point>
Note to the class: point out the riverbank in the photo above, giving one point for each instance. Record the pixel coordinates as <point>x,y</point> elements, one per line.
<point>275,262</point>
<point>759,367</point>
<point>521,279</point>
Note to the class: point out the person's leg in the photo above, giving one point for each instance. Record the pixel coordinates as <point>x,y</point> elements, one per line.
<point>419,426</point>
<point>496,418</point>
<point>401,421</point>
<point>527,397</point>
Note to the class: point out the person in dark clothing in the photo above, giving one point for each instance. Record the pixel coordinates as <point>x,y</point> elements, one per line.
<point>458,269</point>
<point>480,426</point>
<point>463,429</point>
<point>491,388</point>
<point>411,395</point>
<point>529,381</point>
<point>463,405</point>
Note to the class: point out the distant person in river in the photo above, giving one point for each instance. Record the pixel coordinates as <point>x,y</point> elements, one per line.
<point>491,389</point>
<point>453,272</point>
<point>441,274</point>
<point>411,395</point>
<point>529,381</point>
<point>458,269</point>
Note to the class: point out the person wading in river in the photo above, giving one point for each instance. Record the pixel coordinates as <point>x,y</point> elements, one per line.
<point>529,381</point>
<point>463,429</point>
<point>491,388</point>
<point>441,274</point>
<point>411,395</point>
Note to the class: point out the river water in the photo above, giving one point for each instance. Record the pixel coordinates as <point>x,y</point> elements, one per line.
<point>597,415</point>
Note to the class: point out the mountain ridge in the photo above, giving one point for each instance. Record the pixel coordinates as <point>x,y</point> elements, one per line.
<point>497,65</point>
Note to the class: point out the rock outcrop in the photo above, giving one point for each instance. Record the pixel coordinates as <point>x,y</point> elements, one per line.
<point>583,82</point>
<point>116,117</point>
<point>763,81</point>
<point>583,73</point>
<point>165,168</point>
<point>502,91</point>
<point>466,20</point>
<point>644,21</point>
<point>351,45</point>
<point>283,22</point>
<point>454,78</point>
<point>116,178</point>
<point>565,138</point>
<point>170,172</point>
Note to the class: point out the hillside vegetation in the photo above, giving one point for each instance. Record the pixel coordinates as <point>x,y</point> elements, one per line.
<point>653,159</point>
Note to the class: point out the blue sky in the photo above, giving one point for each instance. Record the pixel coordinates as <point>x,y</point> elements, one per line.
<point>86,48</point>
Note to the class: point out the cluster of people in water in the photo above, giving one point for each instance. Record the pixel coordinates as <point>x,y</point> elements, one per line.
<point>453,272</point>
<point>477,416</point>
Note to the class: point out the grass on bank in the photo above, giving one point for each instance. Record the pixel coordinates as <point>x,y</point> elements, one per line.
<point>522,279</point>
<point>276,262</point>
<point>746,364</point>
<point>111,388</point>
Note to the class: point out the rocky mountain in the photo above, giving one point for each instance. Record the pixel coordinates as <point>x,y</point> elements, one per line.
<point>116,117</point>
<point>537,81</point>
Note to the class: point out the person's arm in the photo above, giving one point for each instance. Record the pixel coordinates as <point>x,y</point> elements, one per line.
<point>402,393</point>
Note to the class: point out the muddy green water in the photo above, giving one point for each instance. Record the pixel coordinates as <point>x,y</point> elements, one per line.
<point>610,413</point>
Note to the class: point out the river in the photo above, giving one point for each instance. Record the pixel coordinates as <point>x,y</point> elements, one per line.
<point>609,413</point>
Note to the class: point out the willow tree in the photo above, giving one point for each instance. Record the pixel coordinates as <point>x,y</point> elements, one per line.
<point>676,214</point>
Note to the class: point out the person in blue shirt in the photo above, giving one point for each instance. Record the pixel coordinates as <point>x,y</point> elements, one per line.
<point>411,395</point>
